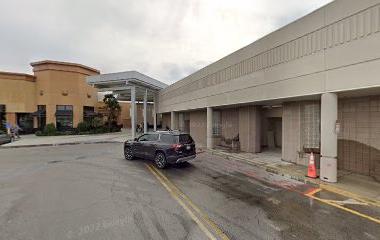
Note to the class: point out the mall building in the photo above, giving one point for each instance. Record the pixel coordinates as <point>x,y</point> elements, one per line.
<point>311,86</point>
<point>56,93</point>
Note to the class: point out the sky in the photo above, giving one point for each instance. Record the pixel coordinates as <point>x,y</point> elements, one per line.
<point>165,39</point>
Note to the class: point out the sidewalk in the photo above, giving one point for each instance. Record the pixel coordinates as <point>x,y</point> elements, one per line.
<point>355,186</point>
<point>33,140</point>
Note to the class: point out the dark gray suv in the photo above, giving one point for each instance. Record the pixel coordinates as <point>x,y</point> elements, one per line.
<point>164,147</point>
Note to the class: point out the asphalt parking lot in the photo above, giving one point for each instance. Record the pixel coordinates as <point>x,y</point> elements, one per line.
<point>91,192</point>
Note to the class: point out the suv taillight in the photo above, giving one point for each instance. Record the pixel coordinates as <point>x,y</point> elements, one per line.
<point>177,146</point>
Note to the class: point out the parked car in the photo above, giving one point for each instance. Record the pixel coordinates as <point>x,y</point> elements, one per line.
<point>164,147</point>
<point>4,138</point>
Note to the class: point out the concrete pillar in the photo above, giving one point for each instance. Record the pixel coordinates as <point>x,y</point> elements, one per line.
<point>133,111</point>
<point>173,125</point>
<point>181,122</point>
<point>209,128</point>
<point>329,137</point>
<point>154,113</point>
<point>50,114</point>
<point>145,111</point>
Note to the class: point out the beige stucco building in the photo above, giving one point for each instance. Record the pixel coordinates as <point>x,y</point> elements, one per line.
<point>313,85</point>
<point>56,93</point>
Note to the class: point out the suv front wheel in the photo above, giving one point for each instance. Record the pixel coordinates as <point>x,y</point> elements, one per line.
<point>128,153</point>
<point>160,160</point>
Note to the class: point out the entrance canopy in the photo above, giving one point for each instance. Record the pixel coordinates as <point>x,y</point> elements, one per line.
<point>130,86</point>
<point>122,83</point>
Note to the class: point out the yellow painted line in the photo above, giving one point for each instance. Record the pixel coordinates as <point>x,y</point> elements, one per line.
<point>332,203</point>
<point>311,193</point>
<point>183,205</point>
<point>204,216</point>
<point>354,202</point>
<point>220,233</point>
<point>349,194</point>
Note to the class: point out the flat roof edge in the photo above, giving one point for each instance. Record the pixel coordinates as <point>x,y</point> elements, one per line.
<point>70,64</point>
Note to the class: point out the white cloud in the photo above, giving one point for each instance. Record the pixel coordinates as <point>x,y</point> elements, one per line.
<point>166,39</point>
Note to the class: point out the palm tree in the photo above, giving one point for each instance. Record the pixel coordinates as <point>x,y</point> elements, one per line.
<point>113,109</point>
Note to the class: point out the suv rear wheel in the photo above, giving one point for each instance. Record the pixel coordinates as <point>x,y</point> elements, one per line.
<point>128,154</point>
<point>160,160</point>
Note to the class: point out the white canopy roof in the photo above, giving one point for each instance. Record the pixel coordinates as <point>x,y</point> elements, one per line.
<point>121,84</point>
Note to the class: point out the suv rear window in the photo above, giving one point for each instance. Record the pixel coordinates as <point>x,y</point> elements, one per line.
<point>168,138</point>
<point>185,139</point>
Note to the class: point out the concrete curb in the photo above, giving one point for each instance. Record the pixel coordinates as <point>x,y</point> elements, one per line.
<point>292,175</point>
<point>230,156</point>
<point>263,165</point>
<point>57,144</point>
<point>295,176</point>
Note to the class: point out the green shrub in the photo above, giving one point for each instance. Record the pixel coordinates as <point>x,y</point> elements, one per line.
<point>39,133</point>
<point>96,122</point>
<point>83,127</point>
<point>50,130</point>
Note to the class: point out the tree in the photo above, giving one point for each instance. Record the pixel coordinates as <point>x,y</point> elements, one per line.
<point>113,109</point>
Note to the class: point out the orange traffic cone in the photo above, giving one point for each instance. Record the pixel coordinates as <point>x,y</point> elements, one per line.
<point>311,169</point>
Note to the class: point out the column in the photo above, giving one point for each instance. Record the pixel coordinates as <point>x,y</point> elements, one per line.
<point>181,121</point>
<point>172,121</point>
<point>133,111</point>
<point>154,113</point>
<point>329,137</point>
<point>209,128</point>
<point>145,111</point>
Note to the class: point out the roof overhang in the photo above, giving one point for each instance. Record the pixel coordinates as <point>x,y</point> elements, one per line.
<point>122,83</point>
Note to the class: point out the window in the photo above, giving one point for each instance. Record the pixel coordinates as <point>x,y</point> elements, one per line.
<point>2,117</point>
<point>185,139</point>
<point>216,125</point>
<point>25,122</point>
<point>64,117</point>
<point>65,107</point>
<point>143,138</point>
<point>311,116</point>
<point>152,137</point>
<point>148,137</point>
<point>88,113</point>
<point>41,116</point>
<point>167,138</point>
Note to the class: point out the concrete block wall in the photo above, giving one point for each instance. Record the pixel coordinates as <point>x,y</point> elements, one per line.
<point>198,127</point>
<point>359,137</point>
<point>166,120</point>
<point>332,49</point>
<point>300,129</point>
<point>291,132</point>
<point>230,122</point>
<point>249,129</point>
